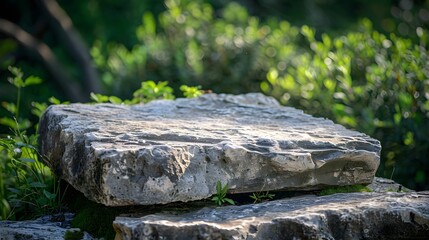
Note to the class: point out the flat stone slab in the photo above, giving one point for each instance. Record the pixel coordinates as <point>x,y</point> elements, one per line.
<point>167,151</point>
<point>339,216</point>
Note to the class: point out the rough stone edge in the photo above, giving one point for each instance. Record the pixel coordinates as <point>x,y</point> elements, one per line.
<point>218,230</point>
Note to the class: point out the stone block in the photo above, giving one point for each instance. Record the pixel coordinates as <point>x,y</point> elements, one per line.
<point>176,150</point>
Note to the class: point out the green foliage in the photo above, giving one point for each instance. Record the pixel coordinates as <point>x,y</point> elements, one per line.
<point>220,196</point>
<point>14,108</point>
<point>344,189</point>
<point>188,44</point>
<point>73,234</point>
<point>365,80</point>
<point>259,197</point>
<point>27,186</point>
<point>100,98</point>
<point>191,92</point>
<point>149,91</point>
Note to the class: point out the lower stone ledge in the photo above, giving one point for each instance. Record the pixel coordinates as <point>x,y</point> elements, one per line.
<point>340,216</point>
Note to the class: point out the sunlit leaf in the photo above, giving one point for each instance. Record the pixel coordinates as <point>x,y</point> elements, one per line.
<point>32,80</point>
<point>115,100</point>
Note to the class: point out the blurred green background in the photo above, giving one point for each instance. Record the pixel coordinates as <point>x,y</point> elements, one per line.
<point>361,63</point>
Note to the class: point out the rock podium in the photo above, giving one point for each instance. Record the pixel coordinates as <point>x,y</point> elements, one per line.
<point>167,151</point>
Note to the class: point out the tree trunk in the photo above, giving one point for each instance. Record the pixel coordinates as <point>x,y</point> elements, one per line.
<point>63,25</point>
<point>70,88</point>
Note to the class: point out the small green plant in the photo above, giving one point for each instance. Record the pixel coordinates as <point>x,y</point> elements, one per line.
<point>344,189</point>
<point>259,197</point>
<point>149,91</point>
<point>220,196</point>
<point>191,92</point>
<point>99,98</point>
<point>27,187</point>
<point>19,82</point>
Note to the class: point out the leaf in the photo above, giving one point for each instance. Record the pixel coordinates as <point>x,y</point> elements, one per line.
<point>49,195</point>
<point>38,108</point>
<point>9,122</point>
<point>32,80</point>
<point>230,201</point>
<point>37,185</point>
<point>99,98</point>
<point>15,71</point>
<point>114,99</point>
<point>219,187</point>
<point>253,196</point>
<point>10,107</point>
<point>54,100</point>
<point>225,189</point>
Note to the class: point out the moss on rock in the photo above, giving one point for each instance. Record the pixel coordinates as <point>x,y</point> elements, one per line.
<point>344,189</point>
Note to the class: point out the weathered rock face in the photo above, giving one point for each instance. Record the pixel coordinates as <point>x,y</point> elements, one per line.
<point>338,216</point>
<point>168,151</point>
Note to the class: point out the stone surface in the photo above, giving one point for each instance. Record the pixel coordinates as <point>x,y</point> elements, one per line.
<point>167,151</point>
<point>338,216</point>
<point>387,185</point>
<point>43,228</point>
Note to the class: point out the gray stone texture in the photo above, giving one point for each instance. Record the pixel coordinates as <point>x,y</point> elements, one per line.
<point>51,227</point>
<point>167,151</point>
<point>387,185</point>
<point>339,216</point>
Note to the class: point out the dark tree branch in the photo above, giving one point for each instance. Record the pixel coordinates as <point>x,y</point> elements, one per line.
<point>70,88</point>
<point>75,46</point>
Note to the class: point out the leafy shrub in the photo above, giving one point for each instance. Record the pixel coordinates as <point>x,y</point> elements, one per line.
<point>191,46</point>
<point>374,83</point>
